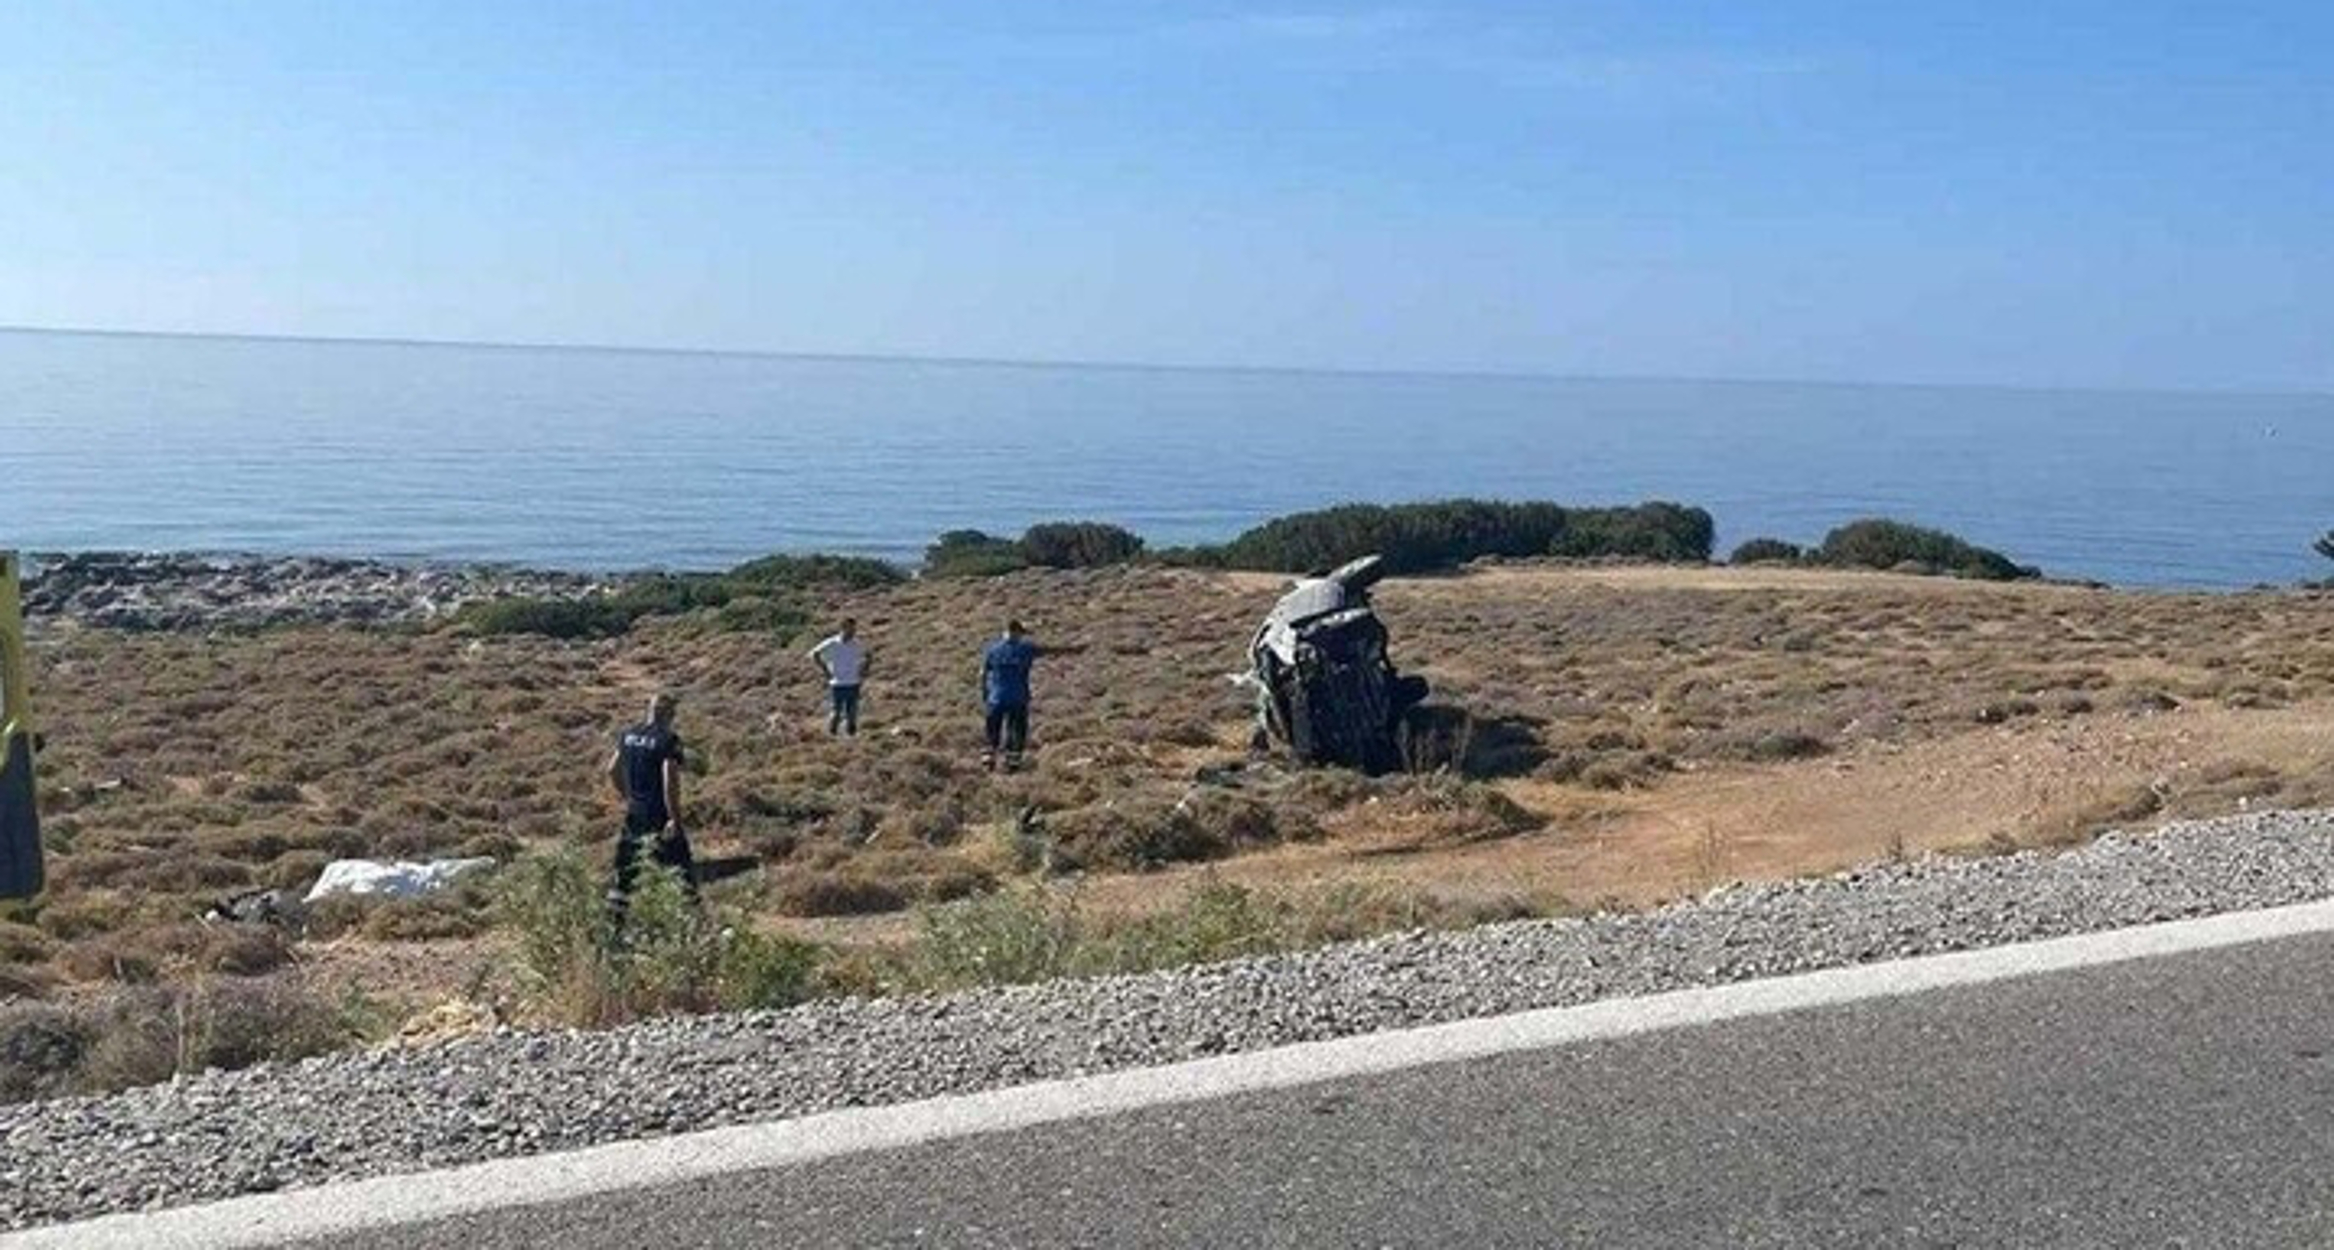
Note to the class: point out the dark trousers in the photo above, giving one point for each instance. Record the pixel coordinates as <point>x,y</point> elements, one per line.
<point>647,829</point>
<point>844,716</point>
<point>1008,727</point>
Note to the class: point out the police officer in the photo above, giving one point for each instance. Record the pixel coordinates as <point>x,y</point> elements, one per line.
<point>646,771</point>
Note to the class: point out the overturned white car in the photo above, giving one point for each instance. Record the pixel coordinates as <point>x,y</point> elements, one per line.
<point>1326,691</point>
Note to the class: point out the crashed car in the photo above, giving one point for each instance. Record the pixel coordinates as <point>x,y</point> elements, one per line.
<point>1326,691</point>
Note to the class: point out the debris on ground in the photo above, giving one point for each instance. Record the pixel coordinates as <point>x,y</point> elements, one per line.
<point>257,907</point>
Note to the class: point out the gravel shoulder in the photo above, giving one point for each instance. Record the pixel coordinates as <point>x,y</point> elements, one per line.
<point>514,1092</point>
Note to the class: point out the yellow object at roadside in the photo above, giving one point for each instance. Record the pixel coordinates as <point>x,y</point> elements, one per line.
<point>20,834</point>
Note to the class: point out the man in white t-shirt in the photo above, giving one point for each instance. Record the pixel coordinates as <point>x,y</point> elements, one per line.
<point>845,661</point>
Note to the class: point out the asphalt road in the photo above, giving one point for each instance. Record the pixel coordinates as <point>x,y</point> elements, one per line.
<point>2180,1101</point>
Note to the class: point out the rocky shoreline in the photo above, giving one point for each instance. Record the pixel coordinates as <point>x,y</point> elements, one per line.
<point>148,591</point>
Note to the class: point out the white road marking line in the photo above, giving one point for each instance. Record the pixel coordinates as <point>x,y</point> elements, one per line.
<point>327,1210</point>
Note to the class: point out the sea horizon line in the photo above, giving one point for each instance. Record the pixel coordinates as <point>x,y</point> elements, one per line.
<point>1142,366</point>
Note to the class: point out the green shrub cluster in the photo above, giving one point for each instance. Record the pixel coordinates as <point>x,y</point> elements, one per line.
<point>1879,543</point>
<point>670,955</point>
<point>755,614</point>
<point>1079,545</point>
<point>785,572</point>
<point>595,616</point>
<point>1052,545</point>
<point>673,956</point>
<point>1423,537</point>
<point>1019,935</point>
<point>760,595</point>
<point>1037,932</point>
<point>1420,537</point>
<point>1767,551</point>
<point>1189,557</point>
<point>1412,537</point>
<point>1666,533</point>
<point>764,595</point>
<point>972,553</point>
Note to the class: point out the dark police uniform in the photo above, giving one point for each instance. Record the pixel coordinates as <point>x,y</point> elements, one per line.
<point>643,750</point>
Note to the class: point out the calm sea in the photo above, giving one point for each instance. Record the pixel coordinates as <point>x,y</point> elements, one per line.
<point>613,459</point>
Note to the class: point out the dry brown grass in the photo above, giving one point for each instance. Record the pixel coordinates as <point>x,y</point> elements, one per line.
<point>1657,730</point>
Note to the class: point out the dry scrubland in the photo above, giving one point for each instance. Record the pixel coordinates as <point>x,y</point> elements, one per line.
<point>1634,733</point>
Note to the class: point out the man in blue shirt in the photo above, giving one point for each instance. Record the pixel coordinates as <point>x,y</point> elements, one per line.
<point>1005,666</point>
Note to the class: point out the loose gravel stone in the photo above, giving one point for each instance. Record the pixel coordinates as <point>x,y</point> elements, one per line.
<point>512,1092</point>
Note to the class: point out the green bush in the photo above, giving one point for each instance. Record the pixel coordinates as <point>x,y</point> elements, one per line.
<point>672,955</point>
<point>1879,543</point>
<point>1422,537</point>
<point>761,971</point>
<point>1191,557</point>
<point>756,597</point>
<point>1767,551</point>
<point>1213,922</point>
<point>1665,532</point>
<point>1036,932</point>
<point>1015,936</point>
<point>670,594</point>
<point>556,912</point>
<point>1078,545</point>
<point>1412,537</point>
<point>821,571</point>
<point>592,616</point>
<point>753,614</point>
<point>971,553</point>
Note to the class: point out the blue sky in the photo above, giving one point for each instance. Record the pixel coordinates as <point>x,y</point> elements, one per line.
<point>2045,192</point>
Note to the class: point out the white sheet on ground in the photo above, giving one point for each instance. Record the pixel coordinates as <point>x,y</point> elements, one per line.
<point>403,879</point>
